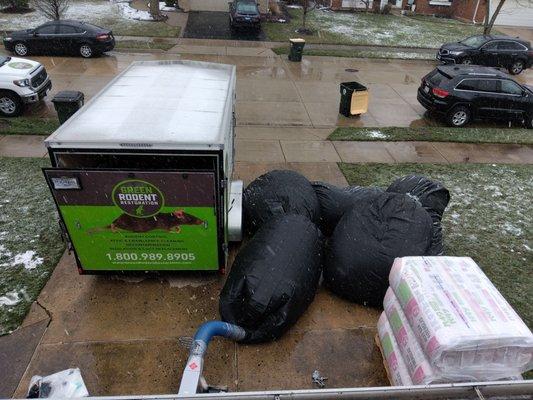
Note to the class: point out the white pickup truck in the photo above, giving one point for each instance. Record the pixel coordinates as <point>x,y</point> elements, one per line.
<point>21,82</point>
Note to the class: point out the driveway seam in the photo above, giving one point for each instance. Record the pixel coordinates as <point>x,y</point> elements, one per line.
<point>404,99</point>
<point>299,94</point>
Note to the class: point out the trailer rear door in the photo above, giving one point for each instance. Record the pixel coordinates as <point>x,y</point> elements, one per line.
<point>120,220</point>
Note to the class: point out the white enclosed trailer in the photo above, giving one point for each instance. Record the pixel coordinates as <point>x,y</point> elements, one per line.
<point>141,174</point>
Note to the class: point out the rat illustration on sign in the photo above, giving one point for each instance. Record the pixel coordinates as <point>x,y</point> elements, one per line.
<point>170,222</point>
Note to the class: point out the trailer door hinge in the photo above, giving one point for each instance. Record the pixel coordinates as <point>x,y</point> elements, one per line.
<point>223,183</point>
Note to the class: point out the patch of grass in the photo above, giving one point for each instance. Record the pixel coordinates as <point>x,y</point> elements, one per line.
<point>435,134</point>
<point>371,29</point>
<point>28,126</point>
<point>30,240</point>
<point>489,218</point>
<point>402,55</point>
<point>124,27</point>
<point>143,45</point>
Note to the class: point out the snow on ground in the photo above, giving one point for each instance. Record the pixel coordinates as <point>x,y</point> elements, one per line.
<point>389,29</point>
<point>28,259</point>
<point>30,241</point>
<point>92,11</point>
<point>376,134</point>
<point>10,299</point>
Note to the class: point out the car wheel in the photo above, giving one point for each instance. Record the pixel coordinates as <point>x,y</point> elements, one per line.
<point>86,51</point>
<point>459,117</point>
<point>467,61</point>
<point>517,67</point>
<point>21,49</point>
<point>10,104</point>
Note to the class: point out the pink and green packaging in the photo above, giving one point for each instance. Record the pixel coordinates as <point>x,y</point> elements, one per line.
<point>399,374</point>
<point>462,322</point>
<point>418,366</point>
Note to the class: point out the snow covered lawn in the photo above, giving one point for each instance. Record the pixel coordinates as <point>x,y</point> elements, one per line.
<point>30,241</point>
<point>489,218</point>
<point>117,16</point>
<point>372,29</point>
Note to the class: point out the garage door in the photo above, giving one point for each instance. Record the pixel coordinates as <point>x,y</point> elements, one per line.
<point>514,13</point>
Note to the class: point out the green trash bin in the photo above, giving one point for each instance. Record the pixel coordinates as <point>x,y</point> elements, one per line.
<point>297,49</point>
<point>67,103</point>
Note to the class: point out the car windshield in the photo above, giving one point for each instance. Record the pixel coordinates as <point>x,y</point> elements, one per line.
<point>247,8</point>
<point>474,41</point>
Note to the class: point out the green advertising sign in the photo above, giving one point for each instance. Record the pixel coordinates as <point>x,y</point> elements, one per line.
<point>121,220</point>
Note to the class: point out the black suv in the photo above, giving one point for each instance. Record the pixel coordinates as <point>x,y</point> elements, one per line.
<point>491,51</point>
<point>244,14</point>
<point>60,37</point>
<point>464,93</point>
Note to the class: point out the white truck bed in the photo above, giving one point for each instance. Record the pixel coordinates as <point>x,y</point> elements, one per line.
<point>156,105</point>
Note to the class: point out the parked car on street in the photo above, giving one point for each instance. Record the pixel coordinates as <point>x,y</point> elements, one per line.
<point>21,82</point>
<point>61,37</point>
<point>491,51</point>
<point>244,14</point>
<point>465,93</point>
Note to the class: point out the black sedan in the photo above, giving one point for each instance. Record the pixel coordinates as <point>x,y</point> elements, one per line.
<point>491,51</point>
<point>61,37</point>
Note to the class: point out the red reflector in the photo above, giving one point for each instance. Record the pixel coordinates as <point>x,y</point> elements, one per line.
<point>102,37</point>
<point>440,93</point>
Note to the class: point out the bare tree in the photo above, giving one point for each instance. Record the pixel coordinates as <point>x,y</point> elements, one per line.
<point>491,19</point>
<point>52,9</point>
<point>307,6</point>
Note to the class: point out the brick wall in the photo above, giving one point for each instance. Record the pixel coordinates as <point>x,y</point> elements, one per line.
<point>461,9</point>
<point>465,9</point>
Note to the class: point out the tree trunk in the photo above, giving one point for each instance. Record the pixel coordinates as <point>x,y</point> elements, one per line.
<point>154,9</point>
<point>490,23</point>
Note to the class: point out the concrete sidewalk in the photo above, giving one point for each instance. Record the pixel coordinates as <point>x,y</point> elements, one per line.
<point>308,145</point>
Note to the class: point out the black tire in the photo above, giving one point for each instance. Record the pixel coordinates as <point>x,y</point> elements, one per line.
<point>529,121</point>
<point>459,116</point>
<point>516,67</point>
<point>21,49</point>
<point>467,61</point>
<point>10,104</point>
<point>86,50</point>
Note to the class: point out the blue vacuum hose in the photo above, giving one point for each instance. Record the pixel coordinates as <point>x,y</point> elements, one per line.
<point>208,330</point>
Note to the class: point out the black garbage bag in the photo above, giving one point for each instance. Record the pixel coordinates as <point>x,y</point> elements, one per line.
<point>274,278</point>
<point>433,196</point>
<point>334,201</point>
<point>276,193</point>
<point>366,241</point>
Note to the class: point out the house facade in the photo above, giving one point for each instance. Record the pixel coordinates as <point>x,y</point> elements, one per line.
<point>465,10</point>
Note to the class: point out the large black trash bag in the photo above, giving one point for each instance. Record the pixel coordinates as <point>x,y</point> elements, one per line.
<point>334,201</point>
<point>274,278</point>
<point>366,241</point>
<point>433,196</point>
<point>276,193</point>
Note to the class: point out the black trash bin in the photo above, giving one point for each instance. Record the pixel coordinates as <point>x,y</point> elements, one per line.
<point>67,103</point>
<point>297,49</point>
<point>354,99</point>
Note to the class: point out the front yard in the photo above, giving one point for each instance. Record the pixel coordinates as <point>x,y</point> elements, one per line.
<point>371,29</point>
<point>103,13</point>
<point>30,240</point>
<point>489,218</point>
